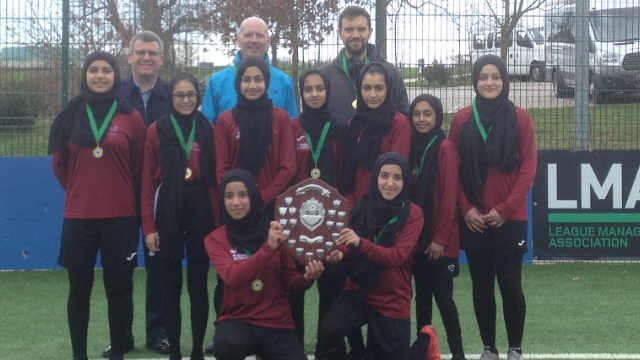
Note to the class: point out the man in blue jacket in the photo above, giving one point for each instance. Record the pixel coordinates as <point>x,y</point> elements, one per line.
<point>252,39</point>
<point>148,94</point>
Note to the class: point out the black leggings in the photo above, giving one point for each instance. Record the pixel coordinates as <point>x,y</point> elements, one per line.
<point>430,284</point>
<point>485,267</point>
<point>197,272</point>
<point>118,286</point>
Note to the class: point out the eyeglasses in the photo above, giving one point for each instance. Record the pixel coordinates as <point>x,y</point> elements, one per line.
<point>142,53</point>
<point>180,96</point>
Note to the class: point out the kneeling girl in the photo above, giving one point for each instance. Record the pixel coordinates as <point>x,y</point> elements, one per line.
<point>377,248</point>
<point>255,317</point>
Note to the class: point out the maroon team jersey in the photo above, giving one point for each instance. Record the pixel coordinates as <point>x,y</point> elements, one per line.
<point>109,186</point>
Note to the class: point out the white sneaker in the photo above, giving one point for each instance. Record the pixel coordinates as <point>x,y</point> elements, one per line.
<point>514,355</point>
<point>488,355</point>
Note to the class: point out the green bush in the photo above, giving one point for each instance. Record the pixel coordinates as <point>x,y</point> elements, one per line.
<point>19,107</point>
<point>441,73</point>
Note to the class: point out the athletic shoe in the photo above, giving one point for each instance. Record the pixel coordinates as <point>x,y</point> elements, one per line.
<point>488,355</point>
<point>159,345</point>
<point>209,348</point>
<point>433,352</point>
<point>107,351</point>
<point>514,355</point>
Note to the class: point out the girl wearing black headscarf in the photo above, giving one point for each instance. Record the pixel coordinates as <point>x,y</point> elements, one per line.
<point>255,135</point>
<point>377,249</point>
<point>97,142</point>
<point>318,142</point>
<point>257,272</point>
<point>377,128</point>
<point>318,135</point>
<point>178,185</point>
<point>434,160</point>
<point>498,160</point>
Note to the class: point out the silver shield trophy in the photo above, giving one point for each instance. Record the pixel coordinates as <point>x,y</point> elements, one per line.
<point>307,212</point>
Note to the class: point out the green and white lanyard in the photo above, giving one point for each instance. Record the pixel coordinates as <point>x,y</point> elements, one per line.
<point>97,133</point>
<point>186,146</point>
<point>391,222</point>
<point>346,72</point>
<point>315,154</point>
<point>419,168</point>
<point>483,132</point>
<point>257,284</point>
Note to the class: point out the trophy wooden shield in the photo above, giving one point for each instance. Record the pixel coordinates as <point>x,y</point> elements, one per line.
<point>312,214</point>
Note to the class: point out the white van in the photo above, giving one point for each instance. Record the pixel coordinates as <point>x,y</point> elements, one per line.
<point>614,47</point>
<point>525,56</point>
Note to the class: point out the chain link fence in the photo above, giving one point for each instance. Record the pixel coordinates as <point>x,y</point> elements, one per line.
<point>575,69</point>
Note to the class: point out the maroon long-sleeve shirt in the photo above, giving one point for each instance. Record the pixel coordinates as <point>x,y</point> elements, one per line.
<point>398,140</point>
<point>109,186</point>
<point>152,177</point>
<point>506,193</point>
<point>276,269</point>
<point>280,163</point>
<point>392,294</point>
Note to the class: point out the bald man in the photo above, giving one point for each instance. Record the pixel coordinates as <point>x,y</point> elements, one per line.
<point>252,39</point>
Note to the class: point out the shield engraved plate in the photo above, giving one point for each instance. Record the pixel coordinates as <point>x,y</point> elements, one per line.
<point>308,212</point>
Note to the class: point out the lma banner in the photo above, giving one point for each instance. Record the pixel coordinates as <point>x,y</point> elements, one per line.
<point>586,205</point>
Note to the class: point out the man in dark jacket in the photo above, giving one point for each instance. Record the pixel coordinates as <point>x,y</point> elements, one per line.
<point>148,94</point>
<point>355,31</point>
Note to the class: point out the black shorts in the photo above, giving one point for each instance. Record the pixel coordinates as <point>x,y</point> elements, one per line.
<point>116,238</point>
<point>445,267</point>
<point>509,239</point>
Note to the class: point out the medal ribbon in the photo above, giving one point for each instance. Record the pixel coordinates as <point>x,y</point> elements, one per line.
<point>483,132</point>
<point>105,124</point>
<point>391,222</point>
<point>192,136</point>
<point>346,72</point>
<point>419,169</point>
<point>316,153</point>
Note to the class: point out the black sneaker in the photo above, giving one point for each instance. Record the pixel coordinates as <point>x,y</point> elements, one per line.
<point>209,348</point>
<point>159,345</point>
<point>107,351</point>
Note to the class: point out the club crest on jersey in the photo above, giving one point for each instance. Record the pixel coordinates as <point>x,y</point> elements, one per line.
<point>237,256</point>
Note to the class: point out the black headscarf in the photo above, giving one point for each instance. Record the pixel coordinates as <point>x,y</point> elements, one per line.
<point>422,192</point>
<point>173,159</point>
<point>374,124</point>
<point>313,121</point>
<point>72,123</point>
<point>372,213</point>
<point>502,142</point>
<point>254,119</point>
<point>250,232</point>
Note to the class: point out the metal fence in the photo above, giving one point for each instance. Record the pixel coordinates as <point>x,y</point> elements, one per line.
<point>570,61</point>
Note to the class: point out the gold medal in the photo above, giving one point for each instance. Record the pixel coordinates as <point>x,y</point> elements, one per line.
<point>188,173</point>
<point>98,152</point>
<point>257,285</point>
<point>315,173</point>
<point>354,104</point>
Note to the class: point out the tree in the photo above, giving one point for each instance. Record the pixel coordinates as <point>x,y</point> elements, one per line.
<point>110,24</point>
<point>293,24</point>
<point>508,19</point>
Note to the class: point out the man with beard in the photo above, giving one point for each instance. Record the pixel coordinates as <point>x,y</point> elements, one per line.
<point>355,31</point>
